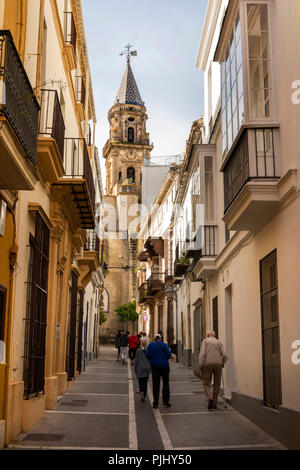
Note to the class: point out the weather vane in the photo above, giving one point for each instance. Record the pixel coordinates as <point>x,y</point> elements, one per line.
<point>128,52</point>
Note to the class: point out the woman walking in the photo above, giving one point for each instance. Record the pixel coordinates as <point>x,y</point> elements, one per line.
<point>142,368</point>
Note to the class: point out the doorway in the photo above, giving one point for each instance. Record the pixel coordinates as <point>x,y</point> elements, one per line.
<point>229,373</point>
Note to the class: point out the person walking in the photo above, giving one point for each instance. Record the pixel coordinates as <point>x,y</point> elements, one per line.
<point>212,359</point>
<point>133,343</point>
<point>124,347</point>
<point>146,337</point>
<point>142,368</point>
<point>117,344</point>
<point>158,354</point>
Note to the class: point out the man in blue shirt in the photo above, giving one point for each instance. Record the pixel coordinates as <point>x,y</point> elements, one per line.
<point>158,354</point>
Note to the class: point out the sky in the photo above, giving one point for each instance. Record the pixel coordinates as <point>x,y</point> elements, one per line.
<point>166,35</point>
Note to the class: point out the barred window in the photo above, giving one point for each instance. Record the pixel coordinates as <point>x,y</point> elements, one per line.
<point>36,309</point>
<point>270,331</point>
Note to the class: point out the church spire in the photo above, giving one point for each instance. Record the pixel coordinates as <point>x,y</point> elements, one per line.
<point>128,92</point>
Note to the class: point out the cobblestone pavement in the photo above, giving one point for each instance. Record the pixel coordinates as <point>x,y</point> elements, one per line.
<point>101,410</point>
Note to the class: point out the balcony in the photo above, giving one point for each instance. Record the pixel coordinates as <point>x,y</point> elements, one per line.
<point>90,259</point>
<point>205,263</point>
<point>182,261</point>
<point>143,256</point>
<point>19,113</point>
<point>70,40</point>
<point>251,175</point>
<point>155,283</point>
<point>51,137</point>
<point>76,188</point>
<point>143,293</point>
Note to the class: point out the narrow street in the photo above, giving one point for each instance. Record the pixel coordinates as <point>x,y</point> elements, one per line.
<point>102,411</point>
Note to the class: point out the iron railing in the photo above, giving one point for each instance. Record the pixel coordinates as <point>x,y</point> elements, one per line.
<point>70,29</point>
<point>155,282</point>
<point>77,164</point>
<point>17,99</point>
<point>71,338</point>
<point>36,311</point>
<point>93,243</point>
<point>209,246</point>
<point>51,119</point>
<point>253,158</point>
<point>270,331</point>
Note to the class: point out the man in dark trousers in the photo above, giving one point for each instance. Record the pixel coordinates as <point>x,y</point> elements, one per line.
<point>158,354</point>
<point>124,347</point>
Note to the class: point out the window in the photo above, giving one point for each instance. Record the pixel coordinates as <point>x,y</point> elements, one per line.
<point>259,61</point>
<point>130,134</point>
<point>270,331</point>
<point>36,311</point>
<point>209,189</point>
<point>232,89</point>
<point>2,311</point>
<point>215,316</point>
<point>131,174</point>
<point>71,339</point>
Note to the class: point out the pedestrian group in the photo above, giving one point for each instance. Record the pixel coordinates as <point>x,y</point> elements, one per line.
<point>153,357</point>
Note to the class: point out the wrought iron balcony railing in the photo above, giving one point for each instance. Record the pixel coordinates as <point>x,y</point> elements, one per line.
<point>93,243</point>
<point>77,164</point>
<point>155,282</point>
<point>254,158</point>
<point>51,119</point>
<point>18,103</point>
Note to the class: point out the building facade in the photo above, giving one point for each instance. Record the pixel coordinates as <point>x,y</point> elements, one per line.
<point>251,118</point>
<point>155,269</point>
<point>47,199</point>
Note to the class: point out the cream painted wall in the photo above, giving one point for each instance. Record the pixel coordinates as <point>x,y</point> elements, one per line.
<point>243,273</point>
<point>31,44</point>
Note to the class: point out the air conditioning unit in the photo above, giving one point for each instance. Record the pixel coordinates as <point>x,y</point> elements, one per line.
<point>2,217</point>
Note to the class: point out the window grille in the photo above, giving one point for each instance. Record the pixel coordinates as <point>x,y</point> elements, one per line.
<point>270,331</point>
<point>71,341</point>
<point>36,309</point>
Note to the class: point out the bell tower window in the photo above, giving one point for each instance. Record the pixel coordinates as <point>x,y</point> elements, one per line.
<point>130,134</point>
<point>131,174</point>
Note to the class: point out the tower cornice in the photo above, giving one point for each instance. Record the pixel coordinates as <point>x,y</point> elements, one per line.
<point>110,145</point>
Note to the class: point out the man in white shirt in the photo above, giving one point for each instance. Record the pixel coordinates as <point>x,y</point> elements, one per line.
<point>212,359</point>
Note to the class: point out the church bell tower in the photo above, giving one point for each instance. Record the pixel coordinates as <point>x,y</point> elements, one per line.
<point>128,146</point>
<point>126,151</point>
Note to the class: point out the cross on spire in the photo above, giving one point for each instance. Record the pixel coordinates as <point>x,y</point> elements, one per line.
<point>128,52</point>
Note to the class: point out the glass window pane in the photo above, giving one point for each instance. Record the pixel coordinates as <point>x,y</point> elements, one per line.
<point>234,97</point>
<point>259,61</point>
<point>241,110</point>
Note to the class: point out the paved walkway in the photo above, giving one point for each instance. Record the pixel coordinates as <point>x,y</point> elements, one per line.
<point>101,410</point>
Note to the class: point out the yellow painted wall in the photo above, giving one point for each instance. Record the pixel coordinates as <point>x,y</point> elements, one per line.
<point>15,21</point>
<point>6,243</point>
